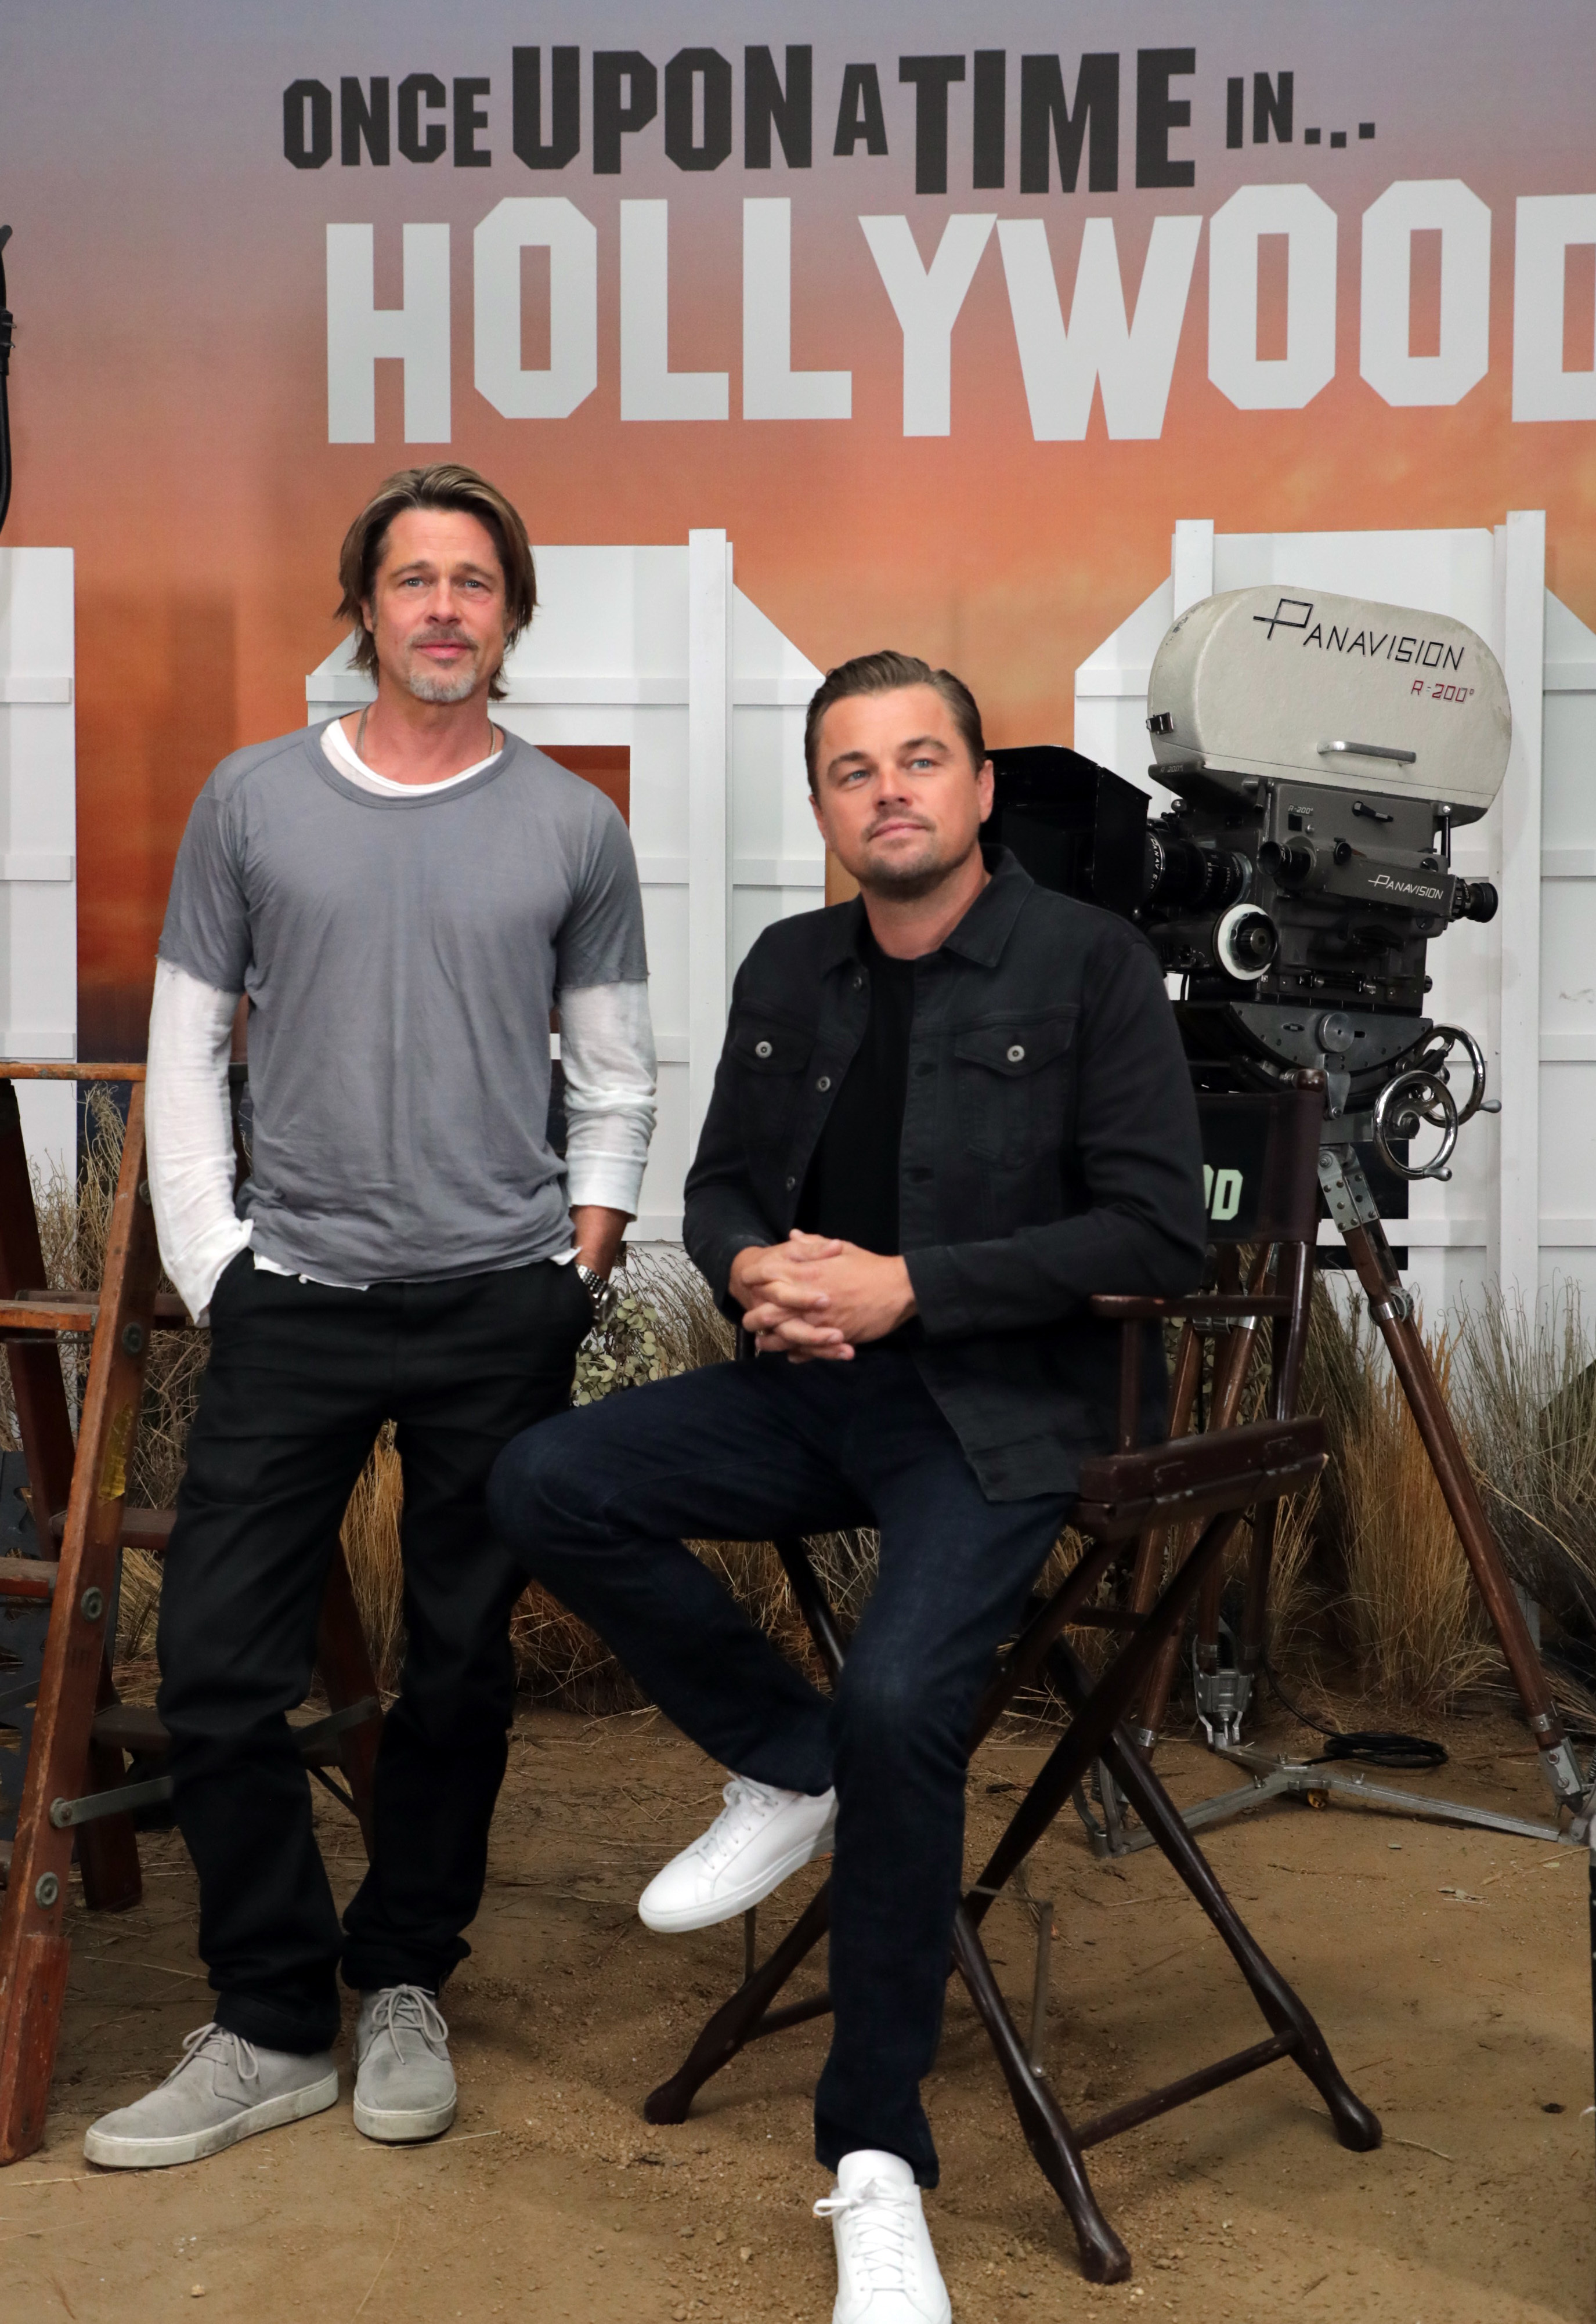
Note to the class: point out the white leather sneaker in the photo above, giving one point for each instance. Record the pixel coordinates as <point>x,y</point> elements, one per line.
<point>222,2088</point>
<point>404,2085</point>
<point>759,1839</point>
<point>886,2269</point>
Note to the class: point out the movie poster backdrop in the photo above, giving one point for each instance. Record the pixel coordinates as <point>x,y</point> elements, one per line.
<point>945,314</point>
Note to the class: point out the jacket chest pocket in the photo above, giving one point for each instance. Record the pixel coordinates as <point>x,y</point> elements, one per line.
<point>1012,1084</point>
<point>769,1058</point>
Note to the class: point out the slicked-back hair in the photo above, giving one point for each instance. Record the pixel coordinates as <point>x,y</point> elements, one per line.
<point>447,485</point>
<point>889,673</point>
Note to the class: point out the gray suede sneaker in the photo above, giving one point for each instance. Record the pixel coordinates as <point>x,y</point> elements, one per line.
<point>223,2088</point>
<point>404,2085</point>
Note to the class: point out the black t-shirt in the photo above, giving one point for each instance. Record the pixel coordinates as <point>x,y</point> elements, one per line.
<point>851,1186</point>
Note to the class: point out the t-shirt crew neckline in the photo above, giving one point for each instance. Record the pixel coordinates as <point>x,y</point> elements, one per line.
<point>407,796</point>
<point>342,754</point>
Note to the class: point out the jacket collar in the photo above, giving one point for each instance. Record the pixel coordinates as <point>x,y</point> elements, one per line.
<point>979,937</point>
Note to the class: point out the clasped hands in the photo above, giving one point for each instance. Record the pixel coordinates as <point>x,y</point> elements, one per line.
<point>813,1296</point>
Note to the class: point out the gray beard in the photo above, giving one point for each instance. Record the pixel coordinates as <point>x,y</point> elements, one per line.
<point>429,686</point>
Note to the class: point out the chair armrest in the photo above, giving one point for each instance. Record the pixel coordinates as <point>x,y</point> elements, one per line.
<point>1118,1308</point>
<point>1120,1493</point>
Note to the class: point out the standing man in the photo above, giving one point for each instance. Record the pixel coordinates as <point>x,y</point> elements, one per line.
<point>946,1115</point>
<point>402,896</point>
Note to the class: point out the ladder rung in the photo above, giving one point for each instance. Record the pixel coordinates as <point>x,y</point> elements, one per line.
<point>149,1529</point>
<point>136,1727</point>
<point>76,1311</point>
<point>27,1577</point>
<point>132,1727</point>
<point>52,1069</point>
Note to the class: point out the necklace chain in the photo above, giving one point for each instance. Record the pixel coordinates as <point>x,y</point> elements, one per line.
<point>496,740</point>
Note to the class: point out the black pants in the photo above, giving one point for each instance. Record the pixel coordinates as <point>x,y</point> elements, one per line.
<point>595,1505</point>
<point>300,1379</point>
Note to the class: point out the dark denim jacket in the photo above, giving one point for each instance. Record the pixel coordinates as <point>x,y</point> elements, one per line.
<point>1050,1150</point>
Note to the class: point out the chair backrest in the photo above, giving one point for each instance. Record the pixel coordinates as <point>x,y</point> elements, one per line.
<point>1260,1164</point>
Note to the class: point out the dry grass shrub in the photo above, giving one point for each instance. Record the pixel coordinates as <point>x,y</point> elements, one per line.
<point>1368,1572</point>
<point>1528,1395</point>
<point>1416,1624</point>
<point>369,1535</point>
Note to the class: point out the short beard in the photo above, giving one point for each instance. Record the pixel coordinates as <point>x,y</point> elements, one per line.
<point>906,887</point>
<point>433,685</point>
<point>908,884</point>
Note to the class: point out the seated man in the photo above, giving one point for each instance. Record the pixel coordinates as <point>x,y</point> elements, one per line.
<point>946,1115</point>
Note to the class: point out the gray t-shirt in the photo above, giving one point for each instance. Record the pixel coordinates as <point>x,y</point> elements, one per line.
<point>401,956</point>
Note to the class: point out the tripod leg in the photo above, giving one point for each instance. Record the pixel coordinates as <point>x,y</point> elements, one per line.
<point>1217,1703</point>
<point>1259,1562</point>
<point>1393,1311</point>
<point>1155,1702</point>
<point>1229,1380</point>
<point>1147,1573</point>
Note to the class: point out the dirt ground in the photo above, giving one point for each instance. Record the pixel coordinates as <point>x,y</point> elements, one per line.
<point>1449,1971</point>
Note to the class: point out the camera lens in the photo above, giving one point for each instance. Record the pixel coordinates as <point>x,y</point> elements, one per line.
<point>1183,876</point>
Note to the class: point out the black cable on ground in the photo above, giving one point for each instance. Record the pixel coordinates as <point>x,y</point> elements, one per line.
<point>1371,1746</point>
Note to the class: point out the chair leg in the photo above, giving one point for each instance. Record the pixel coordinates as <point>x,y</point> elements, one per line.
<point>1103,2257</point>
<point>738,2021</point>
<point>1284,2013</point>
<point>1147,1573</point>
<point>1090,1730</point>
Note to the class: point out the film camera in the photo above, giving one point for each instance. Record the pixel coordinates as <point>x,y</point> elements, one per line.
<point>1321,751</point>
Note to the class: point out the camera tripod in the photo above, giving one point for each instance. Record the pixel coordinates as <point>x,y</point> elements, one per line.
<point>1225,1694</point>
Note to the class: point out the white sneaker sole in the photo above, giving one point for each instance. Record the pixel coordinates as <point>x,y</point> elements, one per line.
<point>114,2152</point>
<point>676,1920</point>
<point>403,2125</point>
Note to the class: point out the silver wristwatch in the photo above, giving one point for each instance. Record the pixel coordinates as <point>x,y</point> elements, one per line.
<point>600,1290</point>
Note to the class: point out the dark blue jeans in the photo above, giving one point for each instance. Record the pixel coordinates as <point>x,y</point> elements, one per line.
<point>595,1504</point>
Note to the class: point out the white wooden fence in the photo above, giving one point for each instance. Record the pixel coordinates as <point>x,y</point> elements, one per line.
<point>38,835</point>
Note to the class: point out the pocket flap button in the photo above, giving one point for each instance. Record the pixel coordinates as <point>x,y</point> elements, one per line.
<point>823,1082</point>
<point>1015,1052</point>
<point>761,1048</point>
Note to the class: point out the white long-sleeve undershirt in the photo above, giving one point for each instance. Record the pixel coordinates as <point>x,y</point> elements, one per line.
<point>606,1051</point>
<point>189,1134</point>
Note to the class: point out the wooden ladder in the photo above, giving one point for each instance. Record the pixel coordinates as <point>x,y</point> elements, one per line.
<point>76,1786</point>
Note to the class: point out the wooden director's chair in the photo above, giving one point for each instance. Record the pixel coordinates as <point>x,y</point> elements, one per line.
<point>77,1789</point>
<point>1132,1503</point>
